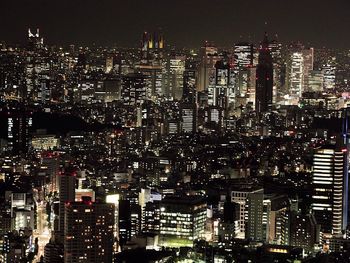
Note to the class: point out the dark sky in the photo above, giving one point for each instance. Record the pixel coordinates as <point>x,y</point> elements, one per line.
<point>184,22</point>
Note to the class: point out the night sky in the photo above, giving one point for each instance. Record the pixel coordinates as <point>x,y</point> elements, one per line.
<point>184,22</point>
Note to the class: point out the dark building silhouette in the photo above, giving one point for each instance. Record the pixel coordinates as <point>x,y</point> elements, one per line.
<point>124,221</point>
<point>264,78</point>
<point>19,122</point>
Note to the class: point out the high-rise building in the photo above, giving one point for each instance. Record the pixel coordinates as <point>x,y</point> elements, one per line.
<point>304,231</point>
<point>19,121</point>
<point>188,112</point>
<point>189,90</point>
<point>135,219</point>
<point>296,76</point>
<point>264,78</point>
<point>151,45</point>
<point>278,81</point>
<point>209,57</point>
<point>308,57</point>
<point>300,64</point>
<point>151,217</point>
<point>257,218</point>
<point>182,217</point>
<point>329,189</point>
<point>221,89</point>
<point>133,89</point>
<point>66,194</point>
<point>34,40</point>
<point>88,232</point>
<point>240,196</point>
<point>124,224</point>
<point>175,76</point>
<point>243,55</point>
<point>328,71</point>
<point>315,83</point>
<point>51,165</point>
<point>265,213</point>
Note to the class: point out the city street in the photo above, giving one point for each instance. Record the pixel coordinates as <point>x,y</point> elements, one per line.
<point>43,233</point>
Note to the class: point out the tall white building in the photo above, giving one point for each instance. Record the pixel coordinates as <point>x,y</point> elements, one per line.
<point>296,75</point>
<point>328,177</point>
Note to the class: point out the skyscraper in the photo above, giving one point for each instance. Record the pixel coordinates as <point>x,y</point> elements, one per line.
<point>19,121</point>
<point>209,57</point>
<point>295,75</point>
<point>66,194</point>
<point>264,78</point>
<point>88,233</point>
<point>221,89</point>
<point>243,55</point>
<point>188,112</point>
<point>329,172</point>
<point>133,89</point>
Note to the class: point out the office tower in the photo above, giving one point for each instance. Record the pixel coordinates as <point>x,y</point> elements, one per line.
<point>257,225</point>
<point>190,77</point>
<point>182,217</point>
<point>251,87</point>
<point>328,177</point>
<point>135,219</point>
<point>264,78</point>
<point>243,55</point>
<point>22,211</point>
<point>279,207</point>
<point>209,57</point>
<point>113,89</point>
<point>155,80</point>
<point>328,71</point>
<point>44,90</point>
<point>151,218</point>
<point>51,165</point>
<point>295,76</point>
<point>215,115</point>
<point>152,45</point>
<point>114,199</point>
<point>175,67</point>
<point>303,231</point>
<point>239,196</point>
<point>188,112</point>
<point>308,66</point>
<point>276,52</point>
<point>316,81</point>
<point>88,232</point>
<point>299,66</point>
<point>19,121</point>
<point>34,40</point>
<point>66,184</point>
<point>221,89</point>
<point>124,224</point>
<point>257,217</point>
<point>133,89</point>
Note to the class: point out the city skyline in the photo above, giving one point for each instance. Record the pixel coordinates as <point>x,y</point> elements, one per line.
<point>233,150</point>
